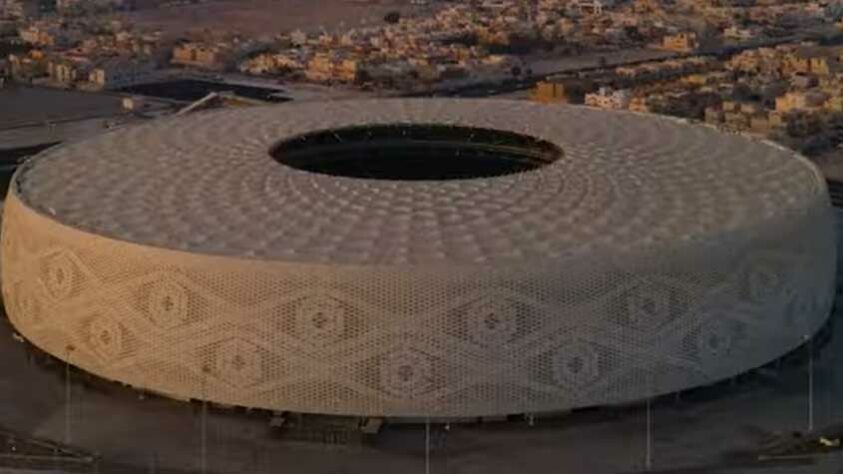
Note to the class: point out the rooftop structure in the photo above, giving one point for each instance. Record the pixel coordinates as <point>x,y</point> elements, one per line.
<point>418,257</point>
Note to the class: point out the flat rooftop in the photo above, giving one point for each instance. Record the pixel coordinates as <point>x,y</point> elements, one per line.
<point>32,116</point>
<point>190,90</point>
<point>26,106</point>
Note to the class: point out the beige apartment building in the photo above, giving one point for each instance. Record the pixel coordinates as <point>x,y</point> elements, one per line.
<point>685,42</point>
<point>203,56</point>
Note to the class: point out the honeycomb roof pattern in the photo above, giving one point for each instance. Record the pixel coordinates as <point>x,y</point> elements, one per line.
<point>654,256</point>
<point>208,184</point>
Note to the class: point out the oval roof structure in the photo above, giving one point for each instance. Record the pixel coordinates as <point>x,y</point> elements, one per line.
<point>209,184</point>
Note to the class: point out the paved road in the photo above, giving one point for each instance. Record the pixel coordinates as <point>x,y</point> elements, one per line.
<point>547,69</point>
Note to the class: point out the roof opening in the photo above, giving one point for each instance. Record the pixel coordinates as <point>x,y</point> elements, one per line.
<point>415,152</point>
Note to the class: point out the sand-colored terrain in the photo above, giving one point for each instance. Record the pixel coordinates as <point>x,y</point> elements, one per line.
<point>268,17</point>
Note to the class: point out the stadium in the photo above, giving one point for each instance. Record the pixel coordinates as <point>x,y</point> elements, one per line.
<point>418,258</point>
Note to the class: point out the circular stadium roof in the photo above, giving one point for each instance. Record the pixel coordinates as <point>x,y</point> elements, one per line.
<point>208,183</point>
<point>418,257</point>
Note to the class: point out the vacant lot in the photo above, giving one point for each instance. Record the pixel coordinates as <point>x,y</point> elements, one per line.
<point>259,17</point>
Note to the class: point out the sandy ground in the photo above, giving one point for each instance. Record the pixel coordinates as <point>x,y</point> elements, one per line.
<point>269,17</point>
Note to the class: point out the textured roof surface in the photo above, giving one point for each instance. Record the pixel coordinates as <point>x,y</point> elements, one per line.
<point>679,257</point>
<point>206,183</point>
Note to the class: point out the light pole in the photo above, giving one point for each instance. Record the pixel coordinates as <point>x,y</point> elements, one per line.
<point>810,382</point>
<point>648,447</point>
<point>648,457</point>
<point>427,446</point>
<point>67,394</point>
<point>204,423</point>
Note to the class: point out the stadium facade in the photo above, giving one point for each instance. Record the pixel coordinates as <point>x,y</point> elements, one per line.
<point>411,258</point>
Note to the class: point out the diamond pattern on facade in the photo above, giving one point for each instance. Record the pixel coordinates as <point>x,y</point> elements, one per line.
<point>610,275</point>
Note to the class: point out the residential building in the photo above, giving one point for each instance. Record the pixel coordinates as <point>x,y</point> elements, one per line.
<point>116,73</point>
<point>64,72</point>
<point>214,57</point>
<point>320,68</point>
<point>349,70</point>
<point>594,7</point>
<point>27,66</point>
<point>607,98</point>
<point>681,42</point>
<point>639,104</point>
<point>740,34</point>
<point>22,9</point>
<point>549,92</point>
<point>47,36</point>
<point>714,115</point>
<point>800,100</point>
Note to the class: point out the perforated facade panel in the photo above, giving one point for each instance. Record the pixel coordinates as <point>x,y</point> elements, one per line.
<point>652,256</point>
